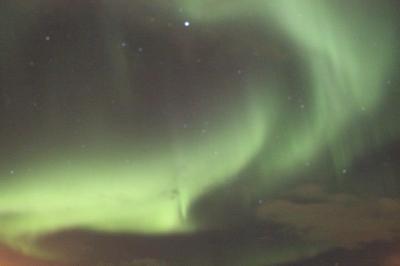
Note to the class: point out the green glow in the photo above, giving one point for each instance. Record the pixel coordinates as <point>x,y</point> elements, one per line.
<point>152,192</point>
<point>147,193</point>
<point>347,66</point>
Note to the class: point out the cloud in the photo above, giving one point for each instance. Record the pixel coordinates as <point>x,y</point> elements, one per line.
<point>9,257</point>
<point>334,219</point>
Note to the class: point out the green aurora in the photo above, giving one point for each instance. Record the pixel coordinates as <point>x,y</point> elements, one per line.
<point>148,185</point>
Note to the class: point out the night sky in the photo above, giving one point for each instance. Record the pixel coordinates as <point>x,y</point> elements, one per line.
<point>199,132</point>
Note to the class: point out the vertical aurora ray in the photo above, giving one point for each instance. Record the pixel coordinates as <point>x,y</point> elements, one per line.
<point>347,52</point>
<point>147,193</point>
<point>152,188</point>
<point>348,68</point>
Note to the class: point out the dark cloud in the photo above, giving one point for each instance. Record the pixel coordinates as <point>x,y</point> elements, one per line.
<point>79,74</point>
<point>335,219</point>
<point>9,257</point>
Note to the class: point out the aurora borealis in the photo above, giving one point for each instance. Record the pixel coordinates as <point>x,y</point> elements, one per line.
<point>169,120</point>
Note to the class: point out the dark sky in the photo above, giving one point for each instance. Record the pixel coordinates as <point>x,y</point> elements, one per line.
<point>192,132</point>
